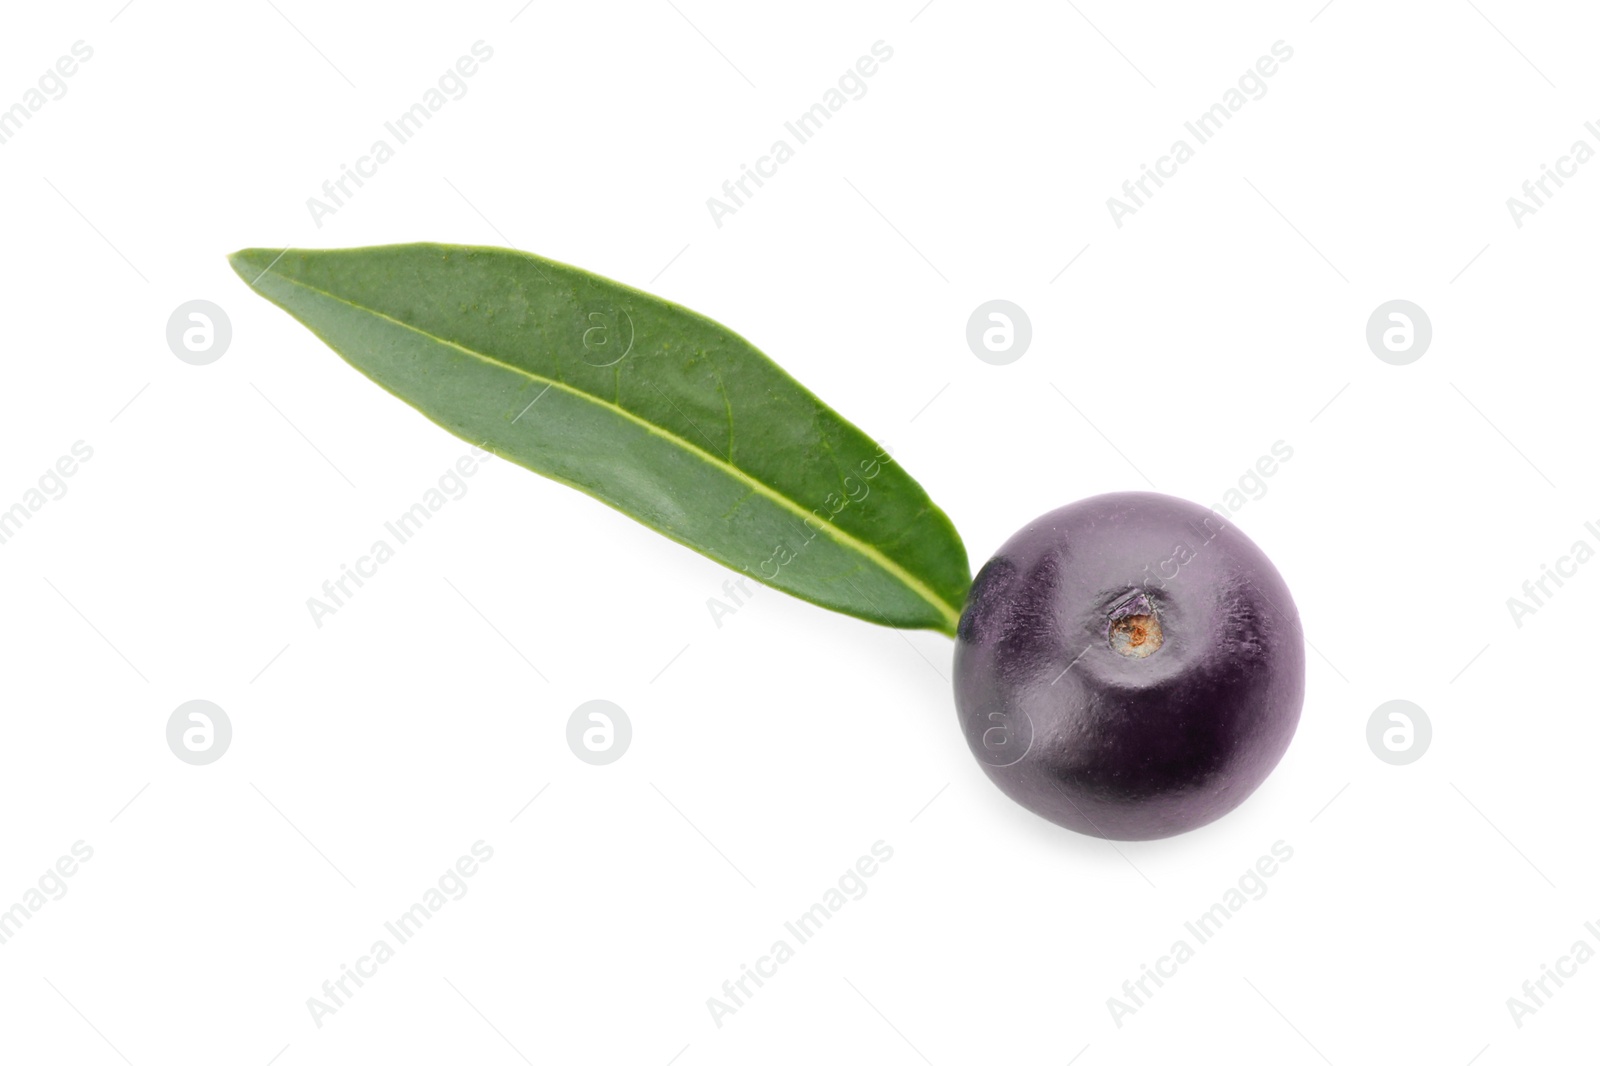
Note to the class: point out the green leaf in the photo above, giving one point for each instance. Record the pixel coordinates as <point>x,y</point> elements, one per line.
<point>660,412</point>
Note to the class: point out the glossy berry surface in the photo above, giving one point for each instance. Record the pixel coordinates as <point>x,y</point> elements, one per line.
<point>1129,666</point>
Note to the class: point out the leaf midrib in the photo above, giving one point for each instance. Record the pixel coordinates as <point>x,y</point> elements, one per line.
<point>951,614</point>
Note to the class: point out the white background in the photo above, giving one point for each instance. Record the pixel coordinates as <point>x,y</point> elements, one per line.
<point>768,754</point>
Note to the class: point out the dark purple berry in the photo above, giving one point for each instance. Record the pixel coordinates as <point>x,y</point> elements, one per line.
<point>1129,666</point>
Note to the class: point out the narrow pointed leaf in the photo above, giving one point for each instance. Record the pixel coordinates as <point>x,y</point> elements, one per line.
<point>660,412</point>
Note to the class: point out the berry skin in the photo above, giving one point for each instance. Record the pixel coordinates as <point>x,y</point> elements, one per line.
<point>1129,666</point>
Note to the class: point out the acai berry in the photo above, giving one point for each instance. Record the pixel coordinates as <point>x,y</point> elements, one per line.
<point>1129,666</point>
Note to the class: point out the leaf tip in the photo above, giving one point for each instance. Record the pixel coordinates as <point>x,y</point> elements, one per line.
<point>251,263</point>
